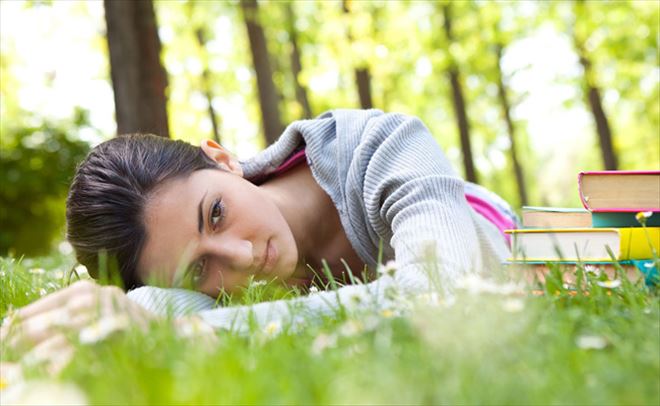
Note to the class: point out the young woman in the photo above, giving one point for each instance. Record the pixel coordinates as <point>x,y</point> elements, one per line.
<point>342,189</point>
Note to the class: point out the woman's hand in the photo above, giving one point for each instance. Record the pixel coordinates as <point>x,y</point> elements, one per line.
<point>84,308</point>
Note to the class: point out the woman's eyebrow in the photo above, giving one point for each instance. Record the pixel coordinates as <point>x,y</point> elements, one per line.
<point>200,215</point>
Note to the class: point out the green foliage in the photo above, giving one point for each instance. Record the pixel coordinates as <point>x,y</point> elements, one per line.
<point>26,280</point>
<point>36,165</point>
<point>548,346</point>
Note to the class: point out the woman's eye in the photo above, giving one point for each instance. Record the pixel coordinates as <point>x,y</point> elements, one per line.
<point>217,212</point>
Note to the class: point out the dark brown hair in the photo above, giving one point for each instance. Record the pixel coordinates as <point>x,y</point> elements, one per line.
<point>105,205</point>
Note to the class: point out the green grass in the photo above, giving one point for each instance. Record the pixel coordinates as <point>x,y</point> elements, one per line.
<point>482,348</point>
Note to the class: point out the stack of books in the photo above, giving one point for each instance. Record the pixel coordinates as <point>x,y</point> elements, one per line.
<point>606,233</point>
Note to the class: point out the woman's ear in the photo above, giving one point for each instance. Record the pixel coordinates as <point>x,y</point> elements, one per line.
<point>222,156</point>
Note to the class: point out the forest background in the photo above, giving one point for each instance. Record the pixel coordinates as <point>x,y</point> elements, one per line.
<point>520,95</point>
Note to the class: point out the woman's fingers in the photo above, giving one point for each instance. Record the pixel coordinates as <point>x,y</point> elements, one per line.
<point>72,310</point>
<point>42,327</point>
<point>56,299</point>
<point>31,331</point>
<point>55,352</point>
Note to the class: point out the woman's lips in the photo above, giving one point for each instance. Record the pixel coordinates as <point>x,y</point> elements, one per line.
<point>270,257</point>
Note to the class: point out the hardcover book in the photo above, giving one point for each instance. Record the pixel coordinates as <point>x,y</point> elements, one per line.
<point>555,217</point>
<point>584,244</point>
<point>620,191</point>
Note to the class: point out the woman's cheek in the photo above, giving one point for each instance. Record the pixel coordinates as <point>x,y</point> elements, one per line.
<point>227,281</point>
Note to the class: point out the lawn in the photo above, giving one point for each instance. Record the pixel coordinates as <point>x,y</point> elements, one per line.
<point>493,343</point>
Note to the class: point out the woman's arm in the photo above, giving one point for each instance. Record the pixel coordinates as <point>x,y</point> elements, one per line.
<point>415,200</point>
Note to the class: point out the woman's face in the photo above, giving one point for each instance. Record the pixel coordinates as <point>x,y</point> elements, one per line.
<point>217,229</point>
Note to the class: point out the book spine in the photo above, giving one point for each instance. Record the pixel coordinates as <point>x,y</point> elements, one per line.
<point>583,199</point>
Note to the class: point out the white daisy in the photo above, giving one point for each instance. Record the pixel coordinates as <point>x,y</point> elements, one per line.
<point>272,329</point>
<point>389,269</point>
<point>513,305</point>
<point>591,342</point>
<point>322,342</point>
<point>610,284</point>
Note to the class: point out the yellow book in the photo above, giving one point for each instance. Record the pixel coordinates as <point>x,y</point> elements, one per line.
<point>584,244</point>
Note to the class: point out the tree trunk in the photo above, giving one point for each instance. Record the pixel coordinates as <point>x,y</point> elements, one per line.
<point>206,84</point>
<point>268,99</point>
<point>363,81</point>
<point>593,94</point>
<point>362,75</point>
<point>296,66</point>
<point>506,112</point>
<point>600,118</point>
<point>459,104</point>
<point>138,77</point>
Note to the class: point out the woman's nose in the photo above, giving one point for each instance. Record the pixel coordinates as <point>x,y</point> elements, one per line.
<point>233,253</point>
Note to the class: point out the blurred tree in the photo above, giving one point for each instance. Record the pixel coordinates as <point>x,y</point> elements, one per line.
<point>268,97</point>
<point>511,128</point>
<point>592,90</point>
<point>138,77</point>
<point>206,82</point>
<point>37,163</point>
<point>458,100</point>
<point>296,66</point>
<point>362,75</point>
<point>496,34</point>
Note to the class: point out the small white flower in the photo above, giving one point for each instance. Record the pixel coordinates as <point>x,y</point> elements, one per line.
<point>357,298</point>
<point>644,214</point>
<point>591,342</point>
<point>259,283</point>
<point>272,329</point>
<point>431,299</point>
<point>313,289</point>
<point>193,327</point>
<point>37,271</point>
<point>351,328</point>
<point>389,269</point>
<point>43,393</point>
<point>513,305</point>
<point>58,274</point>
<point>101,329</point>
<point>322,342</point>
<point>65,248</point>
<point>613,284</point>
<point>81,270</point>
<point>10,374</point>
<point>475,284</point>
<point>592,269</point>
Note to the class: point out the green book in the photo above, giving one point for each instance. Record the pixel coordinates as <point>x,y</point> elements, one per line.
<point>622,219</point>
